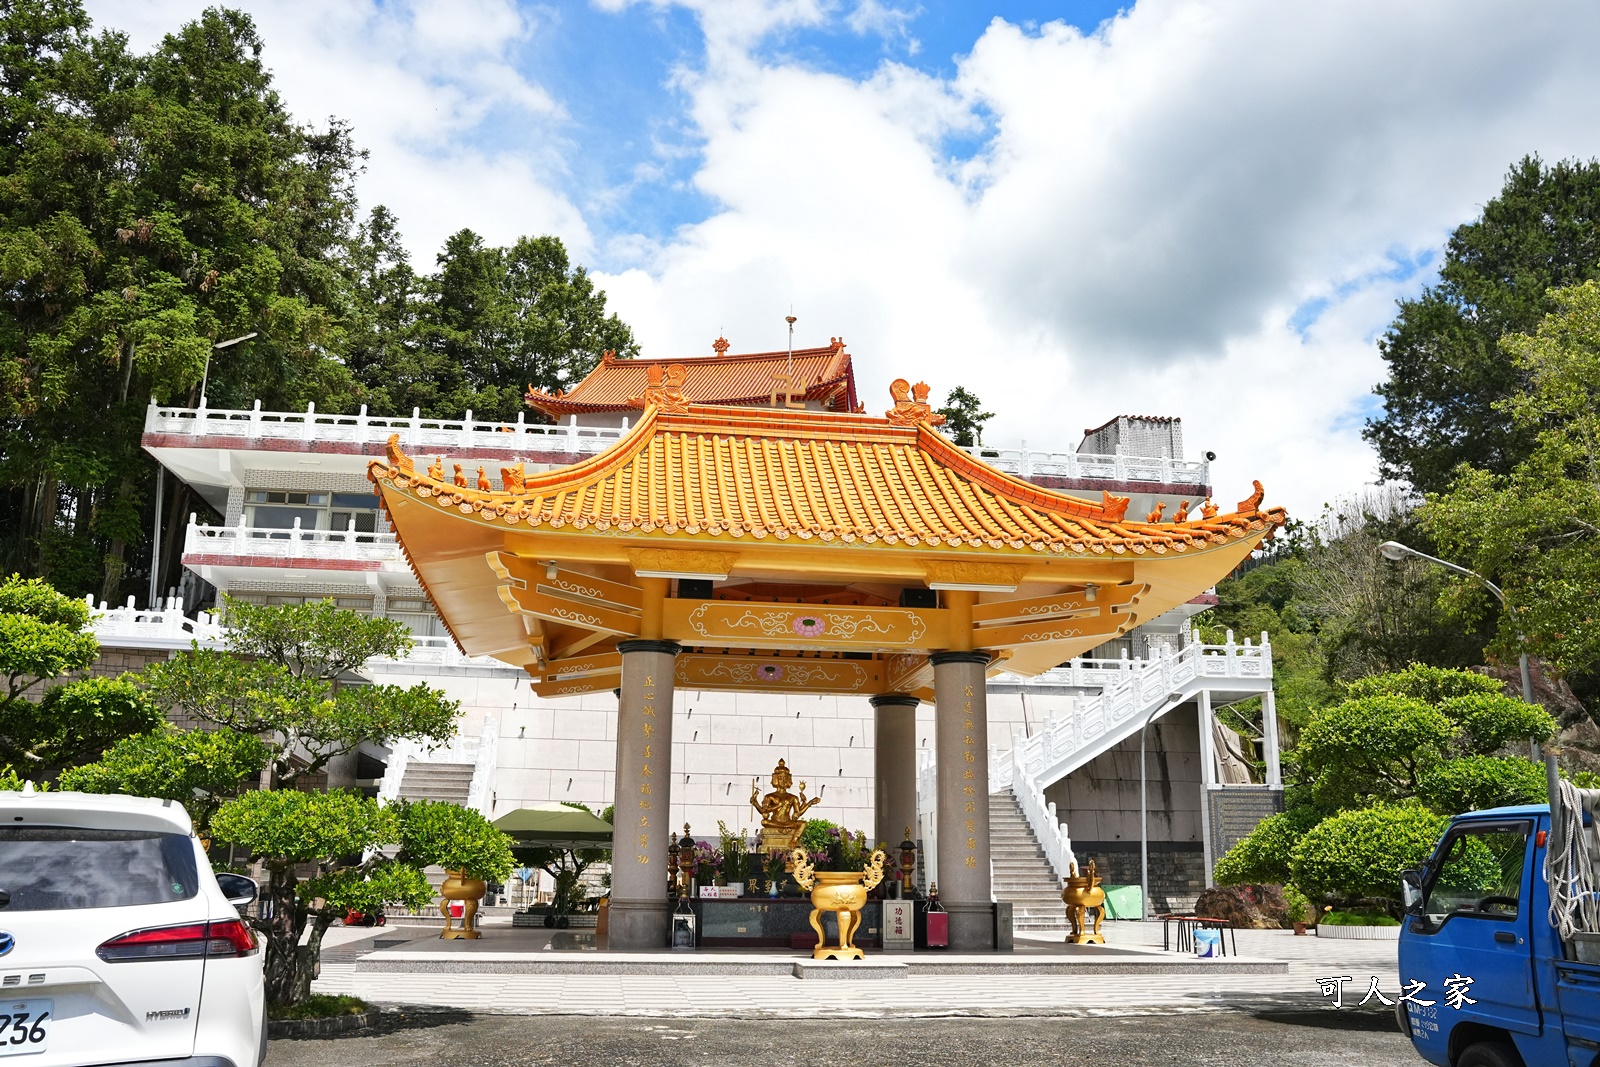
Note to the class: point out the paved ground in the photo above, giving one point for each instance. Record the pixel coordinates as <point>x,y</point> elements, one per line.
<point>776,997</point>
<point>1316,1038</point>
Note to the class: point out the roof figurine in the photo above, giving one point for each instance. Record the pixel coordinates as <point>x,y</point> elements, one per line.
<point>822,378</point>
<point>733,472</point>
<point>909,412</point>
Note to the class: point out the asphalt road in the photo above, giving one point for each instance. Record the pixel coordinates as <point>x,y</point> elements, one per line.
<point>1311,1038</point>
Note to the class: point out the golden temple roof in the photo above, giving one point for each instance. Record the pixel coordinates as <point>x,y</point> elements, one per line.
<point>726,474</point>
<point>819,374</point>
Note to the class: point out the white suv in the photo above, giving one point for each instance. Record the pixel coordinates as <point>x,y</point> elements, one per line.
<point>117,944</point>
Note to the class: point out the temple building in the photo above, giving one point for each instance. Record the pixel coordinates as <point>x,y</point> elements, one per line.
<point>793,578</point>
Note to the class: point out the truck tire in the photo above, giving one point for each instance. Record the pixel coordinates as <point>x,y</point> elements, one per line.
<point>1489,1054</point>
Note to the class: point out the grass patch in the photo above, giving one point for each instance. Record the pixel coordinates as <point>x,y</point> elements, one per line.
<point>1358,918</point>
<point>320,1006</point>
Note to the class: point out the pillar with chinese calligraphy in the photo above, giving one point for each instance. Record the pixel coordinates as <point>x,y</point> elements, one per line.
<point>961,742</point>
<point>640,912</point>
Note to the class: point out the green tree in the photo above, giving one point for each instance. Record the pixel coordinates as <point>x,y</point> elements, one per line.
<point>964,417</point>
<point>44,636</point>
<point>439,834</point>
<point>339,833</point>
<point>281,677</point>
<point>199,769</point>
<point>475,334</point>
<point>1358,855</point>
<point>1448,375</point>
<point>1534,529</point>
<point>152,205</point>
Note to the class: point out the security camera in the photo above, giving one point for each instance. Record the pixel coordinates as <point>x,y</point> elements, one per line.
<point>1211,457</point>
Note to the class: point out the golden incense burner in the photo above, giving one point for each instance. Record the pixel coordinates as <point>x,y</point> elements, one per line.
<point>842,892</point>
<point>1081,896</point>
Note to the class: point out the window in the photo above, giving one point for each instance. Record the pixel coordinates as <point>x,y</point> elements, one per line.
<point>271,509</point>
<point>417,614</point>
<point>1479,873</point>
<point>64,868</point>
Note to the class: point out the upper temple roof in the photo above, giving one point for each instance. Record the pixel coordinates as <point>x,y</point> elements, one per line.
<point>821,375</point>
<point>721,473</point>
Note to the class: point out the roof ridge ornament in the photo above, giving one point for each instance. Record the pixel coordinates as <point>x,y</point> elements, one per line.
<point>909,412</point>
<point>665,390</point>
<point>720,346</point>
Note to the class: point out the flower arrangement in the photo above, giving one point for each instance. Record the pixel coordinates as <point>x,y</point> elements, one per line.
<point>734,857</point>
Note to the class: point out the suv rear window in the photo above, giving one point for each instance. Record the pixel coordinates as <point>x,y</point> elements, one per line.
<point>59,868</point>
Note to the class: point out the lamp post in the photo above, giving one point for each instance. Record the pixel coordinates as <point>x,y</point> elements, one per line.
<point>206,374</point>
<point>1395,551</point>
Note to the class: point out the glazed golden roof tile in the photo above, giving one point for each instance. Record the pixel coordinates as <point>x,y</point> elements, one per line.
<point>724,474</point>
<point>818,374</point>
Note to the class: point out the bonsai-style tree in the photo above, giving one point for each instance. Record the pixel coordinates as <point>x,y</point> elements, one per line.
<point>44,636</point>
<point>284,676</point>
<point>199,769</point>
<point>339,832</point>
<point>440,834</point>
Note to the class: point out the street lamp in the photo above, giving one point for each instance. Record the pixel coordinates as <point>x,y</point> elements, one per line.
<point>207,372</point>
<point>1394,550</point>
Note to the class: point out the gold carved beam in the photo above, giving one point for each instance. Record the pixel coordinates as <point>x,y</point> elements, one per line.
<point>907,672</point>
<point>535,574</point>
<point>752,624</point>
<point>571,612</point>
<point>578,666</point>
<point>1106,617</point>
<point>1058,605</point>
<point>571,687</point>
<point>978,577</point>
<point>681,563</point>
<point>780,674</point>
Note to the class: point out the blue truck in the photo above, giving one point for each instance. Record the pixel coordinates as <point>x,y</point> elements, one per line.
<point>1491,975</point>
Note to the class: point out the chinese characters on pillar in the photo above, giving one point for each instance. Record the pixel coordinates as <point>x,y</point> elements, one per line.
<point>969,792</point>
<point>648,728</point>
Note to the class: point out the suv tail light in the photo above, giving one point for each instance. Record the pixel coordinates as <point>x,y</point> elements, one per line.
<point>229,937</point>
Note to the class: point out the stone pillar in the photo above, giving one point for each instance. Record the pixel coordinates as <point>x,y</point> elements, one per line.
<point>1208,778</point>
<point>1269,739</point>
<point>894,753</point>
<point>961,740</point>
<point>640,910</point>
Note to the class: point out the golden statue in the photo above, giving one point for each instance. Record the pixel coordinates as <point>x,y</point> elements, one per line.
<point>782,813</point>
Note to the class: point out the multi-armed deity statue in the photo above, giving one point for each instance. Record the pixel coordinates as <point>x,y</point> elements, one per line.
<point>782,813</point>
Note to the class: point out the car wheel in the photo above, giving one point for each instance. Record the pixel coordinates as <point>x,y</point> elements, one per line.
<point>1490,1054</point>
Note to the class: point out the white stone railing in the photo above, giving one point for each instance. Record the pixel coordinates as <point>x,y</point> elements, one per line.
<point>1042,820</point>
<point>1029,463</point>
<point>416,433</point>
<point>292,543</point>
<point>1092,725</point>
<point>480,795</point>
<point>168,627</point>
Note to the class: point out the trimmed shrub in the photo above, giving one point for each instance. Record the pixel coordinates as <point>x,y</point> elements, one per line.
<point>1358,855</point>
<point>1472,783</point>
<point>1263,856</point>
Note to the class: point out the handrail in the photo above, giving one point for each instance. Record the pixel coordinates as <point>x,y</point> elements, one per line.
<point>255,424</point>
<point>1091,723</point>
<point>1029,463</point>
<point>1041,816</point>
<point>480,794</point>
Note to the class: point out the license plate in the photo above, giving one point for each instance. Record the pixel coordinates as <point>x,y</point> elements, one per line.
<point>25,1026</point>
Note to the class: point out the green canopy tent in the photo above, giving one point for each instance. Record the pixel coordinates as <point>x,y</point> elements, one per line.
<point>560,840</point>
<point>554,825</point>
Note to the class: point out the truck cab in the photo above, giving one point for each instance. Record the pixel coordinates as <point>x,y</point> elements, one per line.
<point>1498,988</point>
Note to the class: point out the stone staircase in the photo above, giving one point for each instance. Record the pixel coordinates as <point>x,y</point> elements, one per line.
<point>1023,876</point>
<point>436,781</point>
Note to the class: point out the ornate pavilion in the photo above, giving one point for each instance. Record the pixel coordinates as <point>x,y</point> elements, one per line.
<point>790,549</point>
